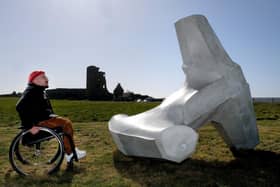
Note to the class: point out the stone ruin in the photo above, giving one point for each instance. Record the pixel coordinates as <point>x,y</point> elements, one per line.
<point>96,90</point>
<point>96,85</point>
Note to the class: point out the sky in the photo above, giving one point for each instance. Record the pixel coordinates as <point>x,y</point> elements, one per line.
<point>133,41</point>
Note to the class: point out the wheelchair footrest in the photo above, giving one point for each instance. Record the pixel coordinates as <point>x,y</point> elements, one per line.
<point>70,166</point>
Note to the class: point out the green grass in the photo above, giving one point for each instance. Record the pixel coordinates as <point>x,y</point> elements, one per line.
<point>211,165</point>
<point>78,111</point>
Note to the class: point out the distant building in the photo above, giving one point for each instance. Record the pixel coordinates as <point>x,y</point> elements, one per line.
<point>96,88</point>
<point>266,99</point>
<point>118,93</point>
<point>96,85</point>
<point>68,93</point>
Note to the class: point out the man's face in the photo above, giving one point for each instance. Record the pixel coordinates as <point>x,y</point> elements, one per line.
<point>41,80</point>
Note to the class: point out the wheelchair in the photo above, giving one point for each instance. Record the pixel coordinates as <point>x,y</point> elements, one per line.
<point>41,153</point>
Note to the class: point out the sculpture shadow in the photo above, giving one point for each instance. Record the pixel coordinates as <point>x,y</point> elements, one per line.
<point>252,168</point>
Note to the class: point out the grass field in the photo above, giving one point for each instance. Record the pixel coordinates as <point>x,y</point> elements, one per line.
<point>211,165</point>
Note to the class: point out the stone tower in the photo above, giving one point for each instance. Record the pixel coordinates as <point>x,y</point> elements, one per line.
<point>96,84</point>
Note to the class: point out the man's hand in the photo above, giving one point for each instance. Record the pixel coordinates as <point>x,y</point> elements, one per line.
<point>34,130</point>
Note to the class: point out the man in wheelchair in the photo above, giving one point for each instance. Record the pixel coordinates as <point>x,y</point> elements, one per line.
<point>35,111</point>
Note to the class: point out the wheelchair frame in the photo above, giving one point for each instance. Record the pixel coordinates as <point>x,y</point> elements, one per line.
<point>36,140</point>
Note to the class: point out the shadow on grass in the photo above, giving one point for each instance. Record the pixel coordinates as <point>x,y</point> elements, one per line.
<point>255,168</point>
<point>62,177</point>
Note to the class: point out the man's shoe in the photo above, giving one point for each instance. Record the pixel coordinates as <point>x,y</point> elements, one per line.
<point>80,154</point>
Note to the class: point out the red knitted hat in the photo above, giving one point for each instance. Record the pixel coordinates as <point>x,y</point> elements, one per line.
<point>34,74</point>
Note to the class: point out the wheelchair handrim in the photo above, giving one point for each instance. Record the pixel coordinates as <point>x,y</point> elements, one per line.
<point>15,152</point>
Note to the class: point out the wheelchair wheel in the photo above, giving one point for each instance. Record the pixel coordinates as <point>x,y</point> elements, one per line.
<point>38,154</point>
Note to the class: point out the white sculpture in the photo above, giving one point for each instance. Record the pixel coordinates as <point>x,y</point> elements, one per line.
<point>215,90</point>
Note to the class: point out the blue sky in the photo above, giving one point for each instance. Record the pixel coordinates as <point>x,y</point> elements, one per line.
<point>134,42</point>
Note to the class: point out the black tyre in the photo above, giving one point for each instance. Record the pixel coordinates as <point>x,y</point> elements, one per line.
<point>38,154</point>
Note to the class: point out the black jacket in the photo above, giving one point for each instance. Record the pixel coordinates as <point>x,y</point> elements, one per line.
<point>33,106</point>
